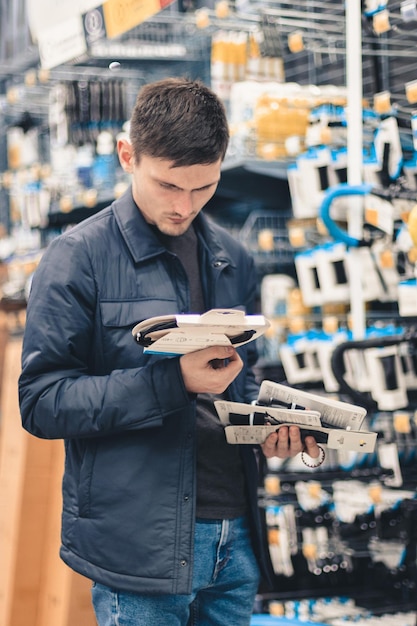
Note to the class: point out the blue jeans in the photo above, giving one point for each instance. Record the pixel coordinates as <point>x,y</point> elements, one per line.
<point>225,582</point>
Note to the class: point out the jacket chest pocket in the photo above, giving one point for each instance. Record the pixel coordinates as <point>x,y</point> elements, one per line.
<point>118,317</point>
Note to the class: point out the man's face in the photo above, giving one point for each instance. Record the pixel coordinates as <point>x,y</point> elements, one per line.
<point>170,197</point>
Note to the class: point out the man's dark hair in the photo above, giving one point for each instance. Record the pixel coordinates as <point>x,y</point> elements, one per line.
<point>179,120</point>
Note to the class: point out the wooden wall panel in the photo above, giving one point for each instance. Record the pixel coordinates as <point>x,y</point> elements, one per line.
<point>36,587</point>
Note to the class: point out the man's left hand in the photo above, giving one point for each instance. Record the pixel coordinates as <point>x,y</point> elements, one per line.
<point>287,442</point>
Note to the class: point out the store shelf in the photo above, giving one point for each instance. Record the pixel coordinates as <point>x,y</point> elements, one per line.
<point>277,169</point>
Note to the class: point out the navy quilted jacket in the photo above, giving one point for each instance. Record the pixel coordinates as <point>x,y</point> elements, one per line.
<point>126,418</point>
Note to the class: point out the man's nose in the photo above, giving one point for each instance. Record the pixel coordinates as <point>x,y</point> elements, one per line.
<point>184,205</point>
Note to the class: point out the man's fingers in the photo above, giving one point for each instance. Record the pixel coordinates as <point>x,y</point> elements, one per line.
<point>287,442</point>
<point>211,369</point>
<point>218,352</point>
<point>311,447</point>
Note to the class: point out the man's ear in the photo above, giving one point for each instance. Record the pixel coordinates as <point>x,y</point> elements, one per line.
<point>125,152</point>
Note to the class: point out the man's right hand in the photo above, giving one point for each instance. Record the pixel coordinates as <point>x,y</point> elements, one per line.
<point>210,370</point>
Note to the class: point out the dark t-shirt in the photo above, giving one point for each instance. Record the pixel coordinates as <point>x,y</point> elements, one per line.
<point>220,478</point>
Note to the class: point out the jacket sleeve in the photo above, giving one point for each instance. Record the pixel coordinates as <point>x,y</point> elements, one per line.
<point>60,394</point>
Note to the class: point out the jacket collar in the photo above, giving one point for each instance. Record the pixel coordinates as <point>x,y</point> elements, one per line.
<point>143,242</point>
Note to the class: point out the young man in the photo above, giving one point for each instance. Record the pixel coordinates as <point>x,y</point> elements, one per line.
<point>159,511</point>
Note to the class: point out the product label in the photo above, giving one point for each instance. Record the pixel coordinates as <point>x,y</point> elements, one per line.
<point>123,15</point>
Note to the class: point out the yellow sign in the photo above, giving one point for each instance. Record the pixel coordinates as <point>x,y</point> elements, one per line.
<point>123,15</point>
